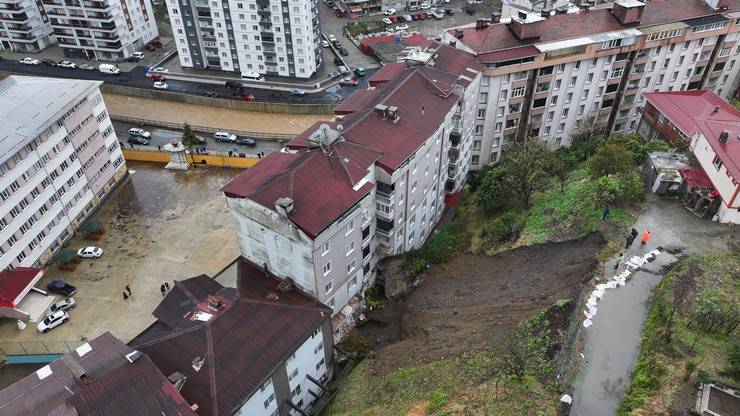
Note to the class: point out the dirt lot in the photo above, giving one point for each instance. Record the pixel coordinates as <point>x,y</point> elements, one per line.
<point>460,305</point>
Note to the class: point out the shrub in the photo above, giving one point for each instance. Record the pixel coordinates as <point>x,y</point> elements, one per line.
<point>505,226</point>
<point>606,189</point>
<point>633,189</point>
<point>373,299</point>
<point>356,344</point>
<point>611,158</point>
<point>492,192</point>
<point>436,400</point>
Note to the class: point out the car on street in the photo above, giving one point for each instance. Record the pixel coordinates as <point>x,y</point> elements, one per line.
<point>135,131</point>
<point>86,67</point>
<point>387,21</point>
<point>394,19</point>
<point>342,69</point>
<point>157,77</point>
<point>332,38</point>
<point>234,85</point>
<point>52,321</point>
<point>389,12</point>
<point>29,61</point>
<point>338,61</point>
<point>242,97</point>
<point>90,252</point>
<point>64,305</point>
<point>449,12</point>
<point>333,74</point>
<point>336,43</point>
<point>138,140</point>
<point>297,92</point>
<point>212,94</point>
<point>49,62</point>
<point>223,136</point>
<point>349,82</point>
<point>61,287</point>
<point>401,28</point>
<point>343,51</point>
<point>137,55</point>
<point>159,85</point>
<point>160,69</point>
<point>425,6</point>
<point>68,65</point>
<point>360,71</point>
<point>246,141</point>
<point>325,43</point>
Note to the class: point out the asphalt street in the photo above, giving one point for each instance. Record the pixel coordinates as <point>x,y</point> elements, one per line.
<point>137,78</point>
<point>161,136</point>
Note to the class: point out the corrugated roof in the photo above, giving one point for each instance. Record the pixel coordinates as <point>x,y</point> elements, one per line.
<point>29,104</point>
<point>15,283</point>
<point>240,345</point>
<point>696,178</point>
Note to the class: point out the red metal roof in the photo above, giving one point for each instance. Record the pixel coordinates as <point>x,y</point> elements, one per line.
<point>16,283</point>
<point>696,178</point>
<point>240,345</point>
<point>387,72</point>
<point>728,152</point>
<point>320,182</point>
<point>567,26</point>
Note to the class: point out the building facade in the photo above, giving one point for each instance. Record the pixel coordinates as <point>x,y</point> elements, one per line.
<point>267,37</point>
<point>108,30</point>
<point>59,158</point>
<point>544,75</point>
<point>24,26</point>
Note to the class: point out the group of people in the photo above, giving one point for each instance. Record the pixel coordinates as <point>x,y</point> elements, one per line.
<point>164,288</point>
<point>630,239</point>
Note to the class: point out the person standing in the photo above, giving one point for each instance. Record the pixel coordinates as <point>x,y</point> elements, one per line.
<point>645,237</point>
<point>607,210</point>
<point>125,296</point>
<point>620,258</point>
<point>162,289</point>
<point>167,286</point>
<point>630,238</point>
<point>128,289</point>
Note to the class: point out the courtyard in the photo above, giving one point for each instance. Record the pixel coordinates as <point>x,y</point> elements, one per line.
<point>160,226</point>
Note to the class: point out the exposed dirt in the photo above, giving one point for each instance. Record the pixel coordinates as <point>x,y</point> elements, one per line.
<point>461,305</point>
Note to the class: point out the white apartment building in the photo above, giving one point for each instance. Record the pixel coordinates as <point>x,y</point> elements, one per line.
<point>542,75</point>
<point>24,26</point>
<point>59,156</point>
<point>373,182</point>
<point>107,30</point>
<point>268,37</point>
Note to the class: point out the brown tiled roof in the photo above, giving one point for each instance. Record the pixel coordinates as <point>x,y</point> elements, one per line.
<point>240,345</point>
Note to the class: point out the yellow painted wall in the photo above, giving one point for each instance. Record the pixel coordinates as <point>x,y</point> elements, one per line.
<point>161,157</point>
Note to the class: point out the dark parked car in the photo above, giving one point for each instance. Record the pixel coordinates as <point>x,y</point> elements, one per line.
<point>449,12</point>
<point>138,140</point>
<point>338,61</point>
<point>246,141</point>
<point>157,77</point>
<point>61,287</point>
<point>234,85</point>
<point>343,52</point>
<point>49,62</point>
<point>212,94</point>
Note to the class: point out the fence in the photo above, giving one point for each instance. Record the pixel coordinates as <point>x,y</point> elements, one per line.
<point>37,347</point>
<point>213,158</point>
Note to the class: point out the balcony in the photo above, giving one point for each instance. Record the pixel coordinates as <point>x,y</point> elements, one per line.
<point>384,190</point>
<point>449,186</point>
<point>455,138</point>
<point>453,155</point>
<point>388,216</point>
<point>456,124</point>
<point>452,171</point>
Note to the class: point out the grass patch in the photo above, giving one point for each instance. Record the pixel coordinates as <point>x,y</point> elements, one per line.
<point>442,244</point>
<point>692,353</point>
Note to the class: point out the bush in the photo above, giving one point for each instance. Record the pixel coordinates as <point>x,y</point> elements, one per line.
<point>492,193</point>
<point>633,189</point>
<point>436,400</point>
<point>356,344</point>
<point>505,226</point>
<point>606,189</point>
<point>611,158</point>
<point>373,299</point>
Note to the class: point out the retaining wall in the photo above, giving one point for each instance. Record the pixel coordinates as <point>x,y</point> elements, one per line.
<point>210,160</point>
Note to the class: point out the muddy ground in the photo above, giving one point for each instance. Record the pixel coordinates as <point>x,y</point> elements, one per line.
<point>461,305</point>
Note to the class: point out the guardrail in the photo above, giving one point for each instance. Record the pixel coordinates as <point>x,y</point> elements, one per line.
<point>203,129</point>
<point>197,151</point>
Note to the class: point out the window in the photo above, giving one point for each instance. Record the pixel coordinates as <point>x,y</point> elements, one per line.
<point>474,160</point>
<point>349,227</point>
<point>616,73</point>
<point>483,98</point>
<point>500,111</point>
<point>518,92</point>
<point>269,400</point>
<point>561,127</point>
<point>478,129</point>
<point>558,82</point>
<point>560,68</point>
<point>349,248</point>
<point>589,77</point>
<point>717,162</point>
<point>319,364</point>
<point>476,146</point>
<point>327,268</point>
<point>296,391</point>
<point>351,284</point>
<point>328,287</point>
<point>565,113</point>
<point>318,348</point>
<point>502,96</point>
<point>569,97</point>
<point>554,100</point>
<point>351,266</point>
<point>550,115</point>
<point>573,81</point>
<point>481,113</point>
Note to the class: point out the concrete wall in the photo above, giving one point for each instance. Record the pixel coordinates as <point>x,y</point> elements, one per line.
<point>162,157</point>
<point>218,102</point>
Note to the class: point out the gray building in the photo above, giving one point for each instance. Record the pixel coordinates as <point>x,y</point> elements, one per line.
<point>24,26</point>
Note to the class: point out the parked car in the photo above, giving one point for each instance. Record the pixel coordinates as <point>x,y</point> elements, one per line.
<point>157,77</point>
<point>336,43</point>
<point>138,140</point>
<point>338,61</point>
<point>86,67</point>
<point>52,321</point>
<point>64,305</point>
<point>150,48</point>
<point>68,65</point>
<point>223,136</point>
<point>332,38</point>
<point>416,16</point>
<point>246,141</point>
<point>389,12</point>
<point>243,97</point>
<point>360,71</point>
<point>343,51</point>
<point>160,69</point>
<point>137,55</point>
<point>212,94</point>
<point>449,12</point>
<point>155,43</point>
<point>29,61</point>
<point>234,85</point>
<point>325,43</point>
<point>333,74</point>
<point>61,287</point>
<point>49,62</point>
<point>425,6</point>
<point>90,252</point>
<point>342,69</point>
<point>401,28</point>
<point>387,21</point>
<point>252,76</point>
<point>298,92</point>
<point>134,131</point>
<point>159,85</point>
<point>394,19</point>
<point>349,82</point>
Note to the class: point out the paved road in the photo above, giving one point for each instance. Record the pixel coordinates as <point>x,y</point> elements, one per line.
<point>137,78</point>
<point>161,136</point>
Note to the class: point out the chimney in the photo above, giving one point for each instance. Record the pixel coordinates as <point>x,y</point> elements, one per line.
<point>561,10</point>
<point>393,113</point>
<point>586,5</point>
<point>495,17</point>
<point>381,110</point>
<point>284,206</point>
<point>716,110</point>
<point>453,43</point>
<point>546,11</point>
<point>526,25</point>
<point>723,136</point>
<point>75,368</point>
<point>459,33</point>
<point>628,12</point>
<point>177,379</point>
<point>481,23</point>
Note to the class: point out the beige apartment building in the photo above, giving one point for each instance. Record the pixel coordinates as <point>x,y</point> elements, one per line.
<point>541,75</point>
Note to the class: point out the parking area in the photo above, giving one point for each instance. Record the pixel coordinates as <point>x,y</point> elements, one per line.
<point>160,226</point>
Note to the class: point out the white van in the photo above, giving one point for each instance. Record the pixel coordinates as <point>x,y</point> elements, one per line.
<point>252,76</point>
<point>109,69</point>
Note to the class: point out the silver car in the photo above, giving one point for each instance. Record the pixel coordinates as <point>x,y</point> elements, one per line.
<point>65,305</point>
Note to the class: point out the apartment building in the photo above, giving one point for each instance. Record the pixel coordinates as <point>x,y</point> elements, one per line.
<point>267,37</point>
<point>370,183</point>
<point>261,349</point>
<point>24,26</point>
<point>711,125</point>
<point>108,30</point>
<point>542,75</point>
<point>59,157</point>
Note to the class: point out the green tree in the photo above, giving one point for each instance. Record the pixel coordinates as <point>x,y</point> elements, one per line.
<point>558,167</point>
<point>633,189</point>
<point>189,139</point>
<point>586,137</point>
<point>638,146</point>
<point>606,189</point>
<point>491,192</point>
<point>610,158</point>
<point>526,168</point>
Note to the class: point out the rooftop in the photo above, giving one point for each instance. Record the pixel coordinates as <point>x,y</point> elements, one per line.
<point>15,284</point>
<point>97,379</point>
<point>30,104</point>
<point>228,341</point>
<point>496,37</point>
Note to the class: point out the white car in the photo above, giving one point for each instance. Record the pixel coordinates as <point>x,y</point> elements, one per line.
<point>425,6</point>
<point>138,55</point>
<point>160,69</point>
<point>63,305</point>
<point>223,136</point>
<point>387,21</point>
<point>401,28</point>
<point>68,65</point>
<point>52,321</point>
<point>90,252</point>
<point>389,12</point>
<point>159,85</point>
<point>29,61</point>
<point>325,43</point>
<point>332,38</point>
<point>139,132</point>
